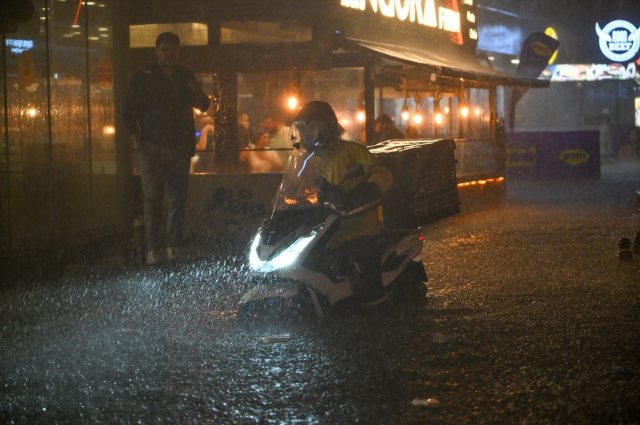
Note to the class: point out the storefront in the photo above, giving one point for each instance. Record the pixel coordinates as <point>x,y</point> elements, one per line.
<point>593,76</point>
<point>58,163</point>
<point>412,60</point>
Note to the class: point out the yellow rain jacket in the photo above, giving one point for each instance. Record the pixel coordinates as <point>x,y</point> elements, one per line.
<point>342,155</point>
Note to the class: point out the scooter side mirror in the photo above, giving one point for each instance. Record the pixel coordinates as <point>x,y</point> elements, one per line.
<point>355,171</point>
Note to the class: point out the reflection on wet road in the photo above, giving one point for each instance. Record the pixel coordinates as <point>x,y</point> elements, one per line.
<point>530,317</point>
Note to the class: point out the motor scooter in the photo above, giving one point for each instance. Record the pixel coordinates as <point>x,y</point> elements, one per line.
<point>290,262</point>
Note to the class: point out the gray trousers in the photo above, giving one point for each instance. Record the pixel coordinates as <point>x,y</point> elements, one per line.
<point>162,168</point>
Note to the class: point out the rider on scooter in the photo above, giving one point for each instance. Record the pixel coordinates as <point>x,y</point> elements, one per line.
<point>359,237</point>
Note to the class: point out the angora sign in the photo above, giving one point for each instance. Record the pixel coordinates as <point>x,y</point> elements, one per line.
<point>619,40</point>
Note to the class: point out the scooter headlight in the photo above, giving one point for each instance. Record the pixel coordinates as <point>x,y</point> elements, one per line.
<point>285,258</point>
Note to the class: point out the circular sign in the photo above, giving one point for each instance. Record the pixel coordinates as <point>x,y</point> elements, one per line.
<point>105,73</point>
<point>27,75</point>
<point>619,40</point>
<point>553,34</point>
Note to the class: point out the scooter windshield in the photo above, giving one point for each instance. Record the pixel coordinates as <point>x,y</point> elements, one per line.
<point>300,188</point>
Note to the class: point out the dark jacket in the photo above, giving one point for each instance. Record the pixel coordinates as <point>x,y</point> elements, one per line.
<point>390,133</point>
<point>162,107</point>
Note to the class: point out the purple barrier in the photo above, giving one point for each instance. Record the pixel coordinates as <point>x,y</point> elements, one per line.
<point>553,155</point>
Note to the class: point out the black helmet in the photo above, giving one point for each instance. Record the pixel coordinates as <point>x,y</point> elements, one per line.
<point>320,111</point>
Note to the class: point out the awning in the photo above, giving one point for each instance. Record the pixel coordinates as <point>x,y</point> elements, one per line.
<point>448,65</point>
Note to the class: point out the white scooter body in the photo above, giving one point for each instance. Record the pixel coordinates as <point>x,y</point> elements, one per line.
<point>288,255</point>
<point>285,281</point>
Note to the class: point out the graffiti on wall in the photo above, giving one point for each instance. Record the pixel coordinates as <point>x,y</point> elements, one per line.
<point>237,203</point>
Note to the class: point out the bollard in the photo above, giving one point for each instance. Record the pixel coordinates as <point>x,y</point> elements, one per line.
<point>625,253</point>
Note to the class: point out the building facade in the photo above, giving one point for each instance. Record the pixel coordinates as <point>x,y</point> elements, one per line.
<point>67,172</point>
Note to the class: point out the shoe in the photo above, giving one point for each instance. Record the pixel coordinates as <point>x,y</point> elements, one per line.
<point>171,254</point>
<point>152,258</point>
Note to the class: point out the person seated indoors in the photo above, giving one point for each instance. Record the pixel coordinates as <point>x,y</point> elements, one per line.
<point>630,151</point>
<point>385,130</point>
<point>202,162</point>
<point>262,160</point>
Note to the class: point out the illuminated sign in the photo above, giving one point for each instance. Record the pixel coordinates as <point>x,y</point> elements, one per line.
<point>594,72</point>
<point>552,33</point>
<point>18,46</point>
<point>574,157</point>
<point>619,40</point>
<point>421,11</point>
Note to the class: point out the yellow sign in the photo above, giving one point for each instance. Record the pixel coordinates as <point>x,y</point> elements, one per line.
<point>105,72</point>
<point>541,49</point>
<point>552,33</point>
<point>27,73</point>
<point>574,157</point>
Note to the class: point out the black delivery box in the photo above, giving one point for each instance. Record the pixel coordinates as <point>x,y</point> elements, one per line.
<point>424,182</point>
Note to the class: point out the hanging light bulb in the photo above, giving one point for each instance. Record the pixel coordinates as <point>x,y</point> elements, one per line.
<point>477,111</point>
<point>404,113</point>
<point>292,102</point>
<point>446,109</point>
<point>464,105</point>
<point>417,118</point>
<point>437,116</point>
<point>361,116</point>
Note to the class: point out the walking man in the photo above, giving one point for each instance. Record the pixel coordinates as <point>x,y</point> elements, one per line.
<point>159,119</point>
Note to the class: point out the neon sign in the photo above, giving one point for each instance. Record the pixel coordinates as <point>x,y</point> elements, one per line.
<point>19,46</point>
<point>424,12</point>
<point>619,40</point>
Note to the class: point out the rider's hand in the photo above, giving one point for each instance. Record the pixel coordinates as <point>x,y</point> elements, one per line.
<point>350,199</point>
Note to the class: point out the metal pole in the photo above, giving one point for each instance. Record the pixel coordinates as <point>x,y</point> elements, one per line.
<point>6,133</point>
<point>436,102</point>
<point>451,117</point>
<point>369,100</point>
<point>124,159</point>
<point>89,141</point>
<point>49,130</point>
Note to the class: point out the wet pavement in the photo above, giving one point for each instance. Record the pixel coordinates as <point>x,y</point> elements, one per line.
<point>530,318</point>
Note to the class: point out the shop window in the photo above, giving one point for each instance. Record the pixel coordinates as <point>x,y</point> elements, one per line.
<point>190,33</point>
<point>268,101</point>
<point>25,181</point>
<point>204,161</point>
<point>259,32</point>
<point>58,162</point>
